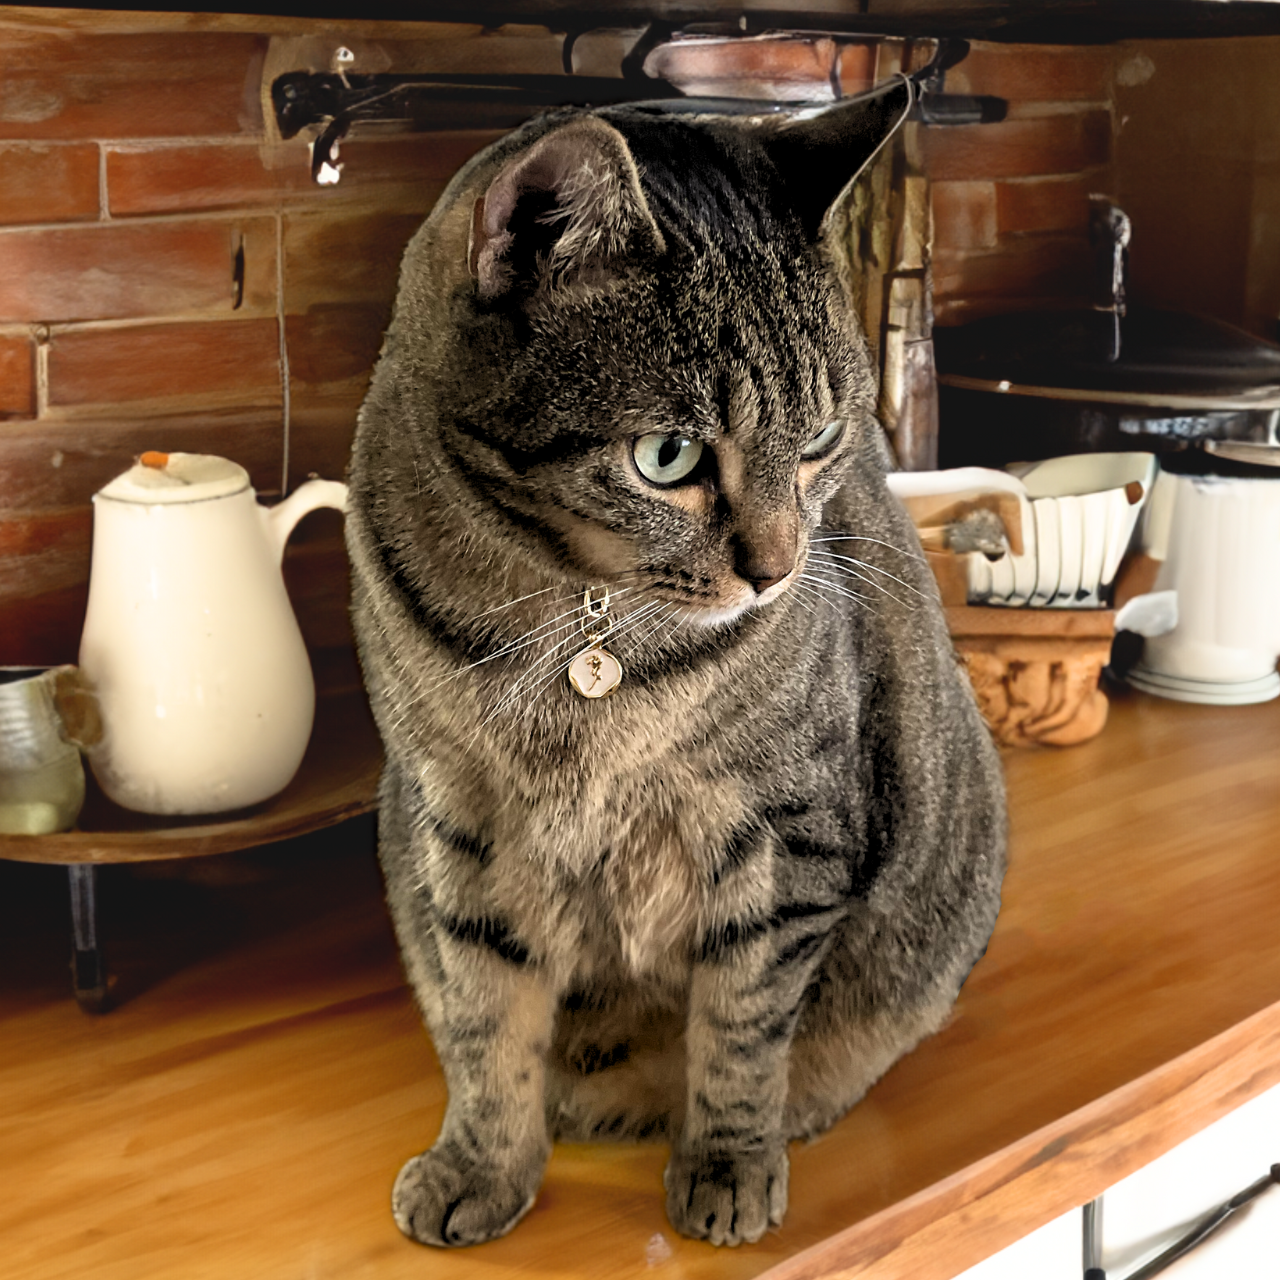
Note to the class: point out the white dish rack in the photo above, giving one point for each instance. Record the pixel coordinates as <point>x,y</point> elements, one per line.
<point>1077,515</point>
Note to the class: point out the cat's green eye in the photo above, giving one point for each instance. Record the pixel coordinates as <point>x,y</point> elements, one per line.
<point>666,460</point>
<point>824,441</point>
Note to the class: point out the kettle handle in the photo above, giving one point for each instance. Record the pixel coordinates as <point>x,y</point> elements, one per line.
<point>281,519</point>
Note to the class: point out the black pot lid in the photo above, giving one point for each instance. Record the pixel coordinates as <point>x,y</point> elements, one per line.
<point>1168,359</point>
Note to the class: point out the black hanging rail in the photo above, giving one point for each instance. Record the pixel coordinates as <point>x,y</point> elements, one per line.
<point>303,98</point>
<point>340,100</point>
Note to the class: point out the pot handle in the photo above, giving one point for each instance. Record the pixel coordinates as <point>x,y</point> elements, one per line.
<point>281,519</point>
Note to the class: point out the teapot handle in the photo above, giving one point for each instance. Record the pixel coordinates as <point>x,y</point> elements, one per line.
<point>281,519</point>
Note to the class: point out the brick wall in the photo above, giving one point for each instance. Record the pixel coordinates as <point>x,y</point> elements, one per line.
<point>171,279</point>
<point>1011,200</point>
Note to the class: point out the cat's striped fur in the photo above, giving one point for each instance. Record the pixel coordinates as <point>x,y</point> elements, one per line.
<point>716,906</point>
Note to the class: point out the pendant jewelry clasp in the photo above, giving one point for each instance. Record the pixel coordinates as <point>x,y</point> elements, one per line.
<point>596,624</point>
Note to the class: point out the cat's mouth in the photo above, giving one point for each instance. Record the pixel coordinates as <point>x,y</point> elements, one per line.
<point>720,613</point>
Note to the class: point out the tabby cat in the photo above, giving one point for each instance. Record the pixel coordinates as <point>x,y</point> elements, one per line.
<point>623,391</point>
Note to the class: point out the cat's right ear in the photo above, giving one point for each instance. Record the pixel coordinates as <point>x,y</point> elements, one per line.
<point>568,209</point>
<point>819,154</point>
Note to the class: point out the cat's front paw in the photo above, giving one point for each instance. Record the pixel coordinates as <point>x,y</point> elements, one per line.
<point>727,1197</point>
<point>441,1199</point>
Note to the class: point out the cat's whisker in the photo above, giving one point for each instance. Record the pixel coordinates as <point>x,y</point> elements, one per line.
<point>822,562</point>
<point>530,637</point>
<point>847,592</point>
<point>532,671</point>
<point>562,599</point>
<point>523,641</point>
<point>497,608</point>
<point>803,604</point>
<point>875,568</point>
<point>522,685</point>
<point>507,698</point>
<point>509,650</point>
<point>663,617</point>
<point>800,586</point>
<point>828,586</point>
<point>860,537</point>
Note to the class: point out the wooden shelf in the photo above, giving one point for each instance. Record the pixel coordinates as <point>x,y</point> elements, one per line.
<point>265,1072</point>
<point>338,779</point>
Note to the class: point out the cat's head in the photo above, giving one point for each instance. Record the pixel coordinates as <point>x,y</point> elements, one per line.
<point>649,377</point>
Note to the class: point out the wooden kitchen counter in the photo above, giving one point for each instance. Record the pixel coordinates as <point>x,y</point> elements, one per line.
<point>243,1112</point>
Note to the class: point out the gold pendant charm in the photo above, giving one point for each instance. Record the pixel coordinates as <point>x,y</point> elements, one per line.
<point>595,673</point>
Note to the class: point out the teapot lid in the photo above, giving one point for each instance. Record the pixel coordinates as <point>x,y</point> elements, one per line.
<point>177,477</point>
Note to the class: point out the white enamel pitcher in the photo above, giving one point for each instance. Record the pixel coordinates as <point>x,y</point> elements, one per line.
<point>203,681</point>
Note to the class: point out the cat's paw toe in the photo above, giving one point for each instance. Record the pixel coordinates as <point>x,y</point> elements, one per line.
<point>727,1197</point>
<point>442,1202</point>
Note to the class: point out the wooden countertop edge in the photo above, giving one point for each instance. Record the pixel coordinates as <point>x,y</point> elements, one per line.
<point>959,1221</point>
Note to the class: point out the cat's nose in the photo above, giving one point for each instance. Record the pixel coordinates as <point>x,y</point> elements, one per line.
<point>760,567</point>
<point>763,584</point>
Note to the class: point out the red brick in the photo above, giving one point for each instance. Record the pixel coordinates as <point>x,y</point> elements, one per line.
<point>352,258</point>
<point>1030,267</point>
<point>334,343</point>
<point>322,423</point>
<point>209,365</point>
<point>460,47</point>
<point>317,574</point>
<point>80,85</point>
<point>157,179</point>
<point>50,464</point>
<point>17,377</point>
<point>34,537</point>
<point>964,215</point>
<point>44,630</point>
<point>1031,73</point>
<point>1065,143</point>
<point>1043,204</point>
<point>400,172</point>
<point>332,351</point>
<point>754,68</point>
<point>112,271</point>
<point>857,67</point>
<point>40,182</point>
<point>44,584</point>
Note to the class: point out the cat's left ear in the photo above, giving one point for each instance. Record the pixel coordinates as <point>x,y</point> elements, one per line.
<point>570,207</point>
<point>819,154</point>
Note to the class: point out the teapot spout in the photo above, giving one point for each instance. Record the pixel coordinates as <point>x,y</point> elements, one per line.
<point>281,519</point>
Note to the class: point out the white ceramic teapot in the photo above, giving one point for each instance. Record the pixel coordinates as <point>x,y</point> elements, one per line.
<point>203,681</point>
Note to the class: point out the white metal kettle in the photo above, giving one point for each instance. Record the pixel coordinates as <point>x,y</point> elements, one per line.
<point>190,641</point>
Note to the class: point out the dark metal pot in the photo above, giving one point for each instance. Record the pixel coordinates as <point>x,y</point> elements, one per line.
<point>1202,395</point>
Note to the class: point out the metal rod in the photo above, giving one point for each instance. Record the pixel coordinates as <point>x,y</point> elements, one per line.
<point>88,972</point>
<point>1093,1240</point>
<point>1207,1225</point>
<point>84,905</point>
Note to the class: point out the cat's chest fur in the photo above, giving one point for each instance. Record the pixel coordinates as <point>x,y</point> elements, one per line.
<point>610,859</point>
